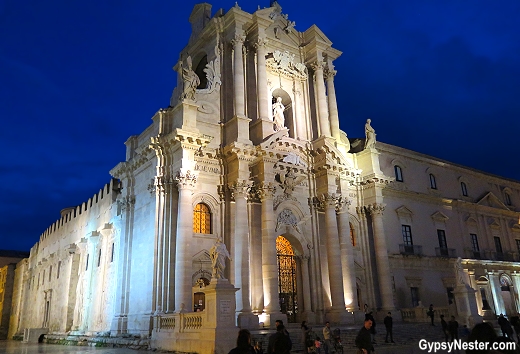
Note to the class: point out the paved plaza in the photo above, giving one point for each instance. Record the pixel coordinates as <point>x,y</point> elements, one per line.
<point>16,347</point>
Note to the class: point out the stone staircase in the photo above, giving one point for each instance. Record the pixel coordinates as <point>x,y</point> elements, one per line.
<point>405,334</point>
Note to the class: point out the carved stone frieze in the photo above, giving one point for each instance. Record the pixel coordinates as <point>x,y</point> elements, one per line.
<point>282,63</point>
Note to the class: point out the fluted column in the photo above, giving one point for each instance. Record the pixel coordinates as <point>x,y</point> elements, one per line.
<point>269,259</point>
<point>306,287</point>
<point>239,190</point>
<point>328,202</point>
<point>323,113</point>
<point>186,182</point>
<point>383,265</point>
<point>238,75</point>
<point>333,105</point>
<point>347,256</point>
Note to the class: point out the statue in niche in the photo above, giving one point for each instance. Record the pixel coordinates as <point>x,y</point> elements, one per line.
<point>278,117</point>
<point>218,254</point>
<point>370,133</point>
<point>190,79</point>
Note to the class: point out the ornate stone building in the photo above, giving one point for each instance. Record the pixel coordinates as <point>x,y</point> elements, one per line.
<point>250,151</point>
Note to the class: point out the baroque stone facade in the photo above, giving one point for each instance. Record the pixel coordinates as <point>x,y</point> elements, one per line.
<point>317,225</point>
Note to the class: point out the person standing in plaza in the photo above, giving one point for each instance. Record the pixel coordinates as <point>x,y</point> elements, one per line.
<point>431,314</point>
<point>327,336</point>
<point>388,321</point>
<point>363,340</point>
<point>444,326</point>
<point>453,328</point>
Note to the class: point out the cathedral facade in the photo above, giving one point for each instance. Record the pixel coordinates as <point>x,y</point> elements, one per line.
<point>318,226</point>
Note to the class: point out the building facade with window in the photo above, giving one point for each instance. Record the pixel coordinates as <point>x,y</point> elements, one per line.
<point>250,152</point>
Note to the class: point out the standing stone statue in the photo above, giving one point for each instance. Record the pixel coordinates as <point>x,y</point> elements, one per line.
<point>459,272</point>
<point>190,79</point>
<point>370,133</point>
<point>278,117</point>
<point>218,255</point>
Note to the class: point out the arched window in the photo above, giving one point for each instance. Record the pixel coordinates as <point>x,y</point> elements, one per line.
<point>352,235</point>
<point>398,173</point>
<point>508,198</point>
<point>199,70</point>
<point>464,189</point>
<point>433,183</point>
<point>202,219</point>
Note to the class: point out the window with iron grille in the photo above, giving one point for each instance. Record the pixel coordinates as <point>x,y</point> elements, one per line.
<point>202,219</point>
<point>407,235</point>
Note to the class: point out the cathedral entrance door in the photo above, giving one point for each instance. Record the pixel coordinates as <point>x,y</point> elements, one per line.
<point>286,278</point>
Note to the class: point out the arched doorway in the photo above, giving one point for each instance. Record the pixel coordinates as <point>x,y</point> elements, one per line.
<point>286,278</point>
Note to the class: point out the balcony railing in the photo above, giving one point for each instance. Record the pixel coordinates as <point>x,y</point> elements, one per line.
<point>445,252</point>
<point>410,249</point>
<point>481,254</point>
<point>504,256</point>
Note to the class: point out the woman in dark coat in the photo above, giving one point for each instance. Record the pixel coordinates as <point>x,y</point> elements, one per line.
<point>243,343</point>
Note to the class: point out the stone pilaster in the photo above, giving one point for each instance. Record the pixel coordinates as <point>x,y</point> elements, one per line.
<point>306,286</point>
<point>323,113</point>
<point>263,127</point>
<point>383,265</point>
<point>186,182</point>
<point>299,116</point>
<point>333,105</point>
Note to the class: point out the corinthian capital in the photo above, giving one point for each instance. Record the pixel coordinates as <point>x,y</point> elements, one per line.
<point>266,190</point>
<point>328,200</point>
<point>375,208</point>
<point>317,65</point>
<point>329,75</point>
<point>342,204</point>
<point>186,180</point>
<point>238,39</point>
<point>260,43</point>
<point>239,188</point>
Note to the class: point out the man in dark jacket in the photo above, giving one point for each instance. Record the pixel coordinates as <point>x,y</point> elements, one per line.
<point>279,342</point>
<point>444,326</point>
<point>388,321</point>
<point>363,340</point>
<point>369,316</point>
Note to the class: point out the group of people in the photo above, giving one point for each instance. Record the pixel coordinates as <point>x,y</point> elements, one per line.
<point>279,342</point>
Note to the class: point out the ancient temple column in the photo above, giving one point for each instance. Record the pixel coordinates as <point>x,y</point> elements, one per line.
<point>307,306</point>
<point>347,258</point>
<point>269,259</point>
<point>239,189</point>
<point>238,75</point>
<point>263,95</point>
<point>383,265</point>
<point>185,183</point>
<point>323,113</point>
<point>333,105</point>
<point>328,201</point>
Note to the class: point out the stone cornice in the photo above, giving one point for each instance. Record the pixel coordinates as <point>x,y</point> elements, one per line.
<point>377,180</point>
<point>239,151</point>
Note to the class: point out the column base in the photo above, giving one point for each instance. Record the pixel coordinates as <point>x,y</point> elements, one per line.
<point>339,317</point>
<point>247,320</point>
<point>261,129</point>
<point>269,319</point>
<point>119,326</point>
<point>237,129</point>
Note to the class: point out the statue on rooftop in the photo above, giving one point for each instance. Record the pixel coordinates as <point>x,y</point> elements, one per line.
<point>370,133</point>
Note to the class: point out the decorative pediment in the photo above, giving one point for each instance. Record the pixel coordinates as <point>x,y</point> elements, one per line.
<point>515,227</point>
<point>403,211</point>
<point>492,201</point>
<point>493,223</point>
<point>438,216</point>
<point>471,221</point>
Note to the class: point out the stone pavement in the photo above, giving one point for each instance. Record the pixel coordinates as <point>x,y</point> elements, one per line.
<point>17,347</point>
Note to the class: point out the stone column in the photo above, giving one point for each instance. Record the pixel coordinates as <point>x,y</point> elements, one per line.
<point>246,319</point>
<point>333,106</point>
<point>161,190</point>
<point>347,257</point>
<point>307,305</point>
<point>328,202</point>
<point>186,182</point>
<point>269,258</point>
<point>323,113</point>
<point>238,75</point>
<point>498,302</point>
<point>383,265</point>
